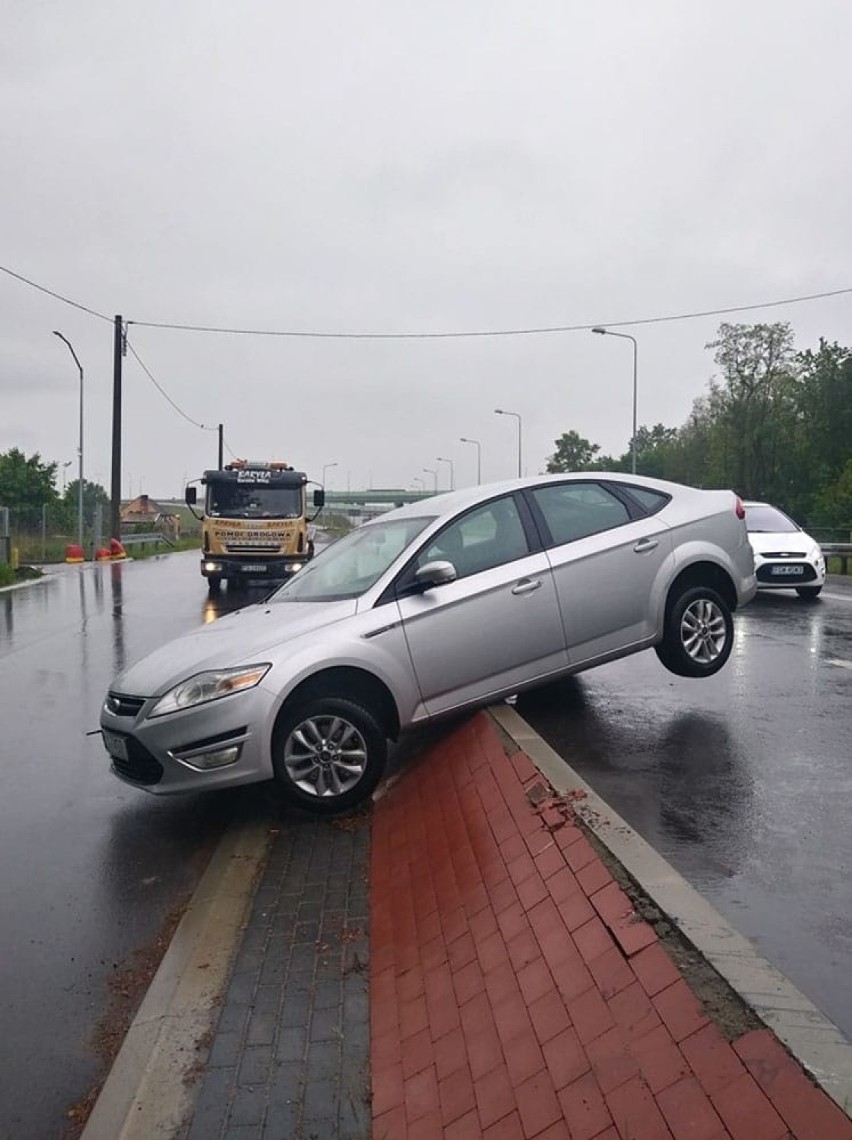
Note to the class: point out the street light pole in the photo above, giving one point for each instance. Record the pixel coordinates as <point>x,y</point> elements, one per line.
<point>434,475</point>
<point>452,470</point>
<point>80,448</point>
<point>325,468</point>
<point>626,336</point>
<point>501,412</point>
<point>478,447</point>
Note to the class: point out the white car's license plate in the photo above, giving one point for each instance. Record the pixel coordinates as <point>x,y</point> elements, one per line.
<point>792,570</point>
<point>254,568</point>
<point>115,745</point>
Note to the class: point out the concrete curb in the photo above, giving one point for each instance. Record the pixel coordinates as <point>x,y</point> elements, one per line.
<point>147,1093</point>
<point>815,1042</point>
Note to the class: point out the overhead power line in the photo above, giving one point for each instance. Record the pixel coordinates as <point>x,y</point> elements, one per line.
<point>456,335</point>
<point>51,293</point>
<point>490,332</point>
<point>163,392</point>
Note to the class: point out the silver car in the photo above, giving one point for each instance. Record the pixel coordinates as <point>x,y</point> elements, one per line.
<point>446,603</point>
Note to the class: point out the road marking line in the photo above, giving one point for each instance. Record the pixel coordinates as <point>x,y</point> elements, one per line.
<point>839,661</point>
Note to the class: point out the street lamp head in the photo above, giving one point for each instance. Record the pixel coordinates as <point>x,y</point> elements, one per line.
<point>599,329</point>
<point>499,412</point>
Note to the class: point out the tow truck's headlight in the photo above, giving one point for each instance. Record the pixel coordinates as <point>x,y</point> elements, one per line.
<point>204,687</point>
<point>292,567</point>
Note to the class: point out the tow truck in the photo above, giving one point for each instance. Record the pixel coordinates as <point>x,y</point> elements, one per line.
<point>254,522</point>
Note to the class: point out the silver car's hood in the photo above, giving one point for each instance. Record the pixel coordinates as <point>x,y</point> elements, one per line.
<point>244,636</point>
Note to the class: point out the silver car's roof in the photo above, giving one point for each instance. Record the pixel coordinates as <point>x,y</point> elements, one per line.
<point>451,502</point>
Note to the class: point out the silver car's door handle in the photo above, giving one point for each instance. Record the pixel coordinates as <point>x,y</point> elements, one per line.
<point>526,586</point>
<point>646,544</point>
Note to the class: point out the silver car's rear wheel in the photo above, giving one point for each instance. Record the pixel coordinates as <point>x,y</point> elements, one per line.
<point>328,754</point>
<point>699,633</point>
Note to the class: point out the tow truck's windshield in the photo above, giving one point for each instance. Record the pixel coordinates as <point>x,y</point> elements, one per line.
<point>352,564</point>
<point>253,501</point>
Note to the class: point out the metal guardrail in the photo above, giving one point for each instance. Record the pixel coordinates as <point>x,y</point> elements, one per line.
<point>841,550</point>
<point>141,539</point>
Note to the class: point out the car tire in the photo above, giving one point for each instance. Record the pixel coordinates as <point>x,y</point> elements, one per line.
<point>809,592</point>
<point>214,585</point>
<point>328,754</point>
<point>698,634</point>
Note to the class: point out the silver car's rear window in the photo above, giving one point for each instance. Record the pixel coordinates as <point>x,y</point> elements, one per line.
<point>354,563</point>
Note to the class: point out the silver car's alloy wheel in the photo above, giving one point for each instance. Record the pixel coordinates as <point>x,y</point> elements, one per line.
<point>325,756</point>
<point>703,630</point>
<point>699,632</point>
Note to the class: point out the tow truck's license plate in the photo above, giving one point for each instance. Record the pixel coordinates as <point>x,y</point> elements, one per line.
<point>793,570</point>
<point>115,745</point>
<point>254,568</point>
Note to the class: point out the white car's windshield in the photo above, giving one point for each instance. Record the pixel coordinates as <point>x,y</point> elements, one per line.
<point>352,564</point>
<point>761,519</point>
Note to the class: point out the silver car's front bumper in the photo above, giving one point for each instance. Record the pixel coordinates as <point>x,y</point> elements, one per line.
<point>217,744</point>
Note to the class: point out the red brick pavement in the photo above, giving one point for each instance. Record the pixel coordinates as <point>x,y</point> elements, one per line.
<point>515,993</point>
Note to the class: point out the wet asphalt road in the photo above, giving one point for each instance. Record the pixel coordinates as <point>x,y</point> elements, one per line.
<point>743,781</point>
<point>89,868</point>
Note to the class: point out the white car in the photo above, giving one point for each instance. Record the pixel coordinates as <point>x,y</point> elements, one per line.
<point>785,556</point>
<point>443,604</point>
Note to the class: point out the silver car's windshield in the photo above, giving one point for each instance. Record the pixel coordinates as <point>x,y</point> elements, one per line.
<point>352,564</point>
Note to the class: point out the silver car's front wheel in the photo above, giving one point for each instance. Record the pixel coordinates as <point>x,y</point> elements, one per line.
<point>328,754</point>
<point>698,635</point>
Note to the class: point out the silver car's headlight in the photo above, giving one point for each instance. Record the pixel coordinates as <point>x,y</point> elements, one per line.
<point>204,687</point>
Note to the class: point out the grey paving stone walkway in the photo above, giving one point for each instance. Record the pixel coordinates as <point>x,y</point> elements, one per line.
<point>290,1055</point>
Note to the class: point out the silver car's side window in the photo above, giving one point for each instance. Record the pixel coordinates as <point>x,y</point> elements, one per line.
<point>576,510</point>
<point>489,536</point>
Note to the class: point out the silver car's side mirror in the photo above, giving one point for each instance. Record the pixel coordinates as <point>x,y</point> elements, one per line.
<point>435,574</point>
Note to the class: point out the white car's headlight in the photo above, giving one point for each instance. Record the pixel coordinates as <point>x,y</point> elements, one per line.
<point>204,687</point>
<point>815,553</point>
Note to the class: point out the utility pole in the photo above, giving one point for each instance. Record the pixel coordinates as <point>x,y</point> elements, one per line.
<point>80,447</point>
<point>115,489</point>
<point>221,445</point>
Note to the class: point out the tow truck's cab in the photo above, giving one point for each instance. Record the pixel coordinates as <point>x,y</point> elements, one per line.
<point>254,522</point>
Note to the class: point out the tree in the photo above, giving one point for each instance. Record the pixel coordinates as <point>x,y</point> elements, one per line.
<point>824,406</point>
<point>833,506</point>
<point>26,484</point>
<point>754,406</point>
<point>94,495</point>
<point>573,453</point>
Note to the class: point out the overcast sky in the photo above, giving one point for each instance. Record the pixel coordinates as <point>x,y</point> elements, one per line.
<point>382,167</point>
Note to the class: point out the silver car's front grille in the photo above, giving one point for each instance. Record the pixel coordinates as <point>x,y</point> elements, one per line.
<point>119,704</point>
